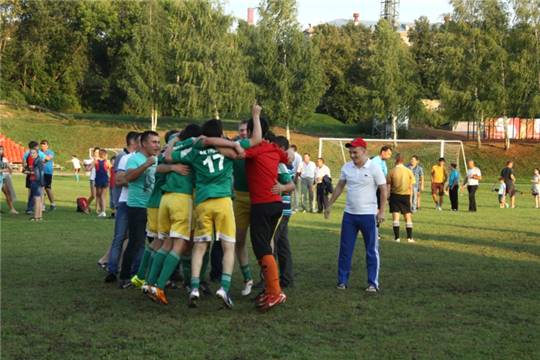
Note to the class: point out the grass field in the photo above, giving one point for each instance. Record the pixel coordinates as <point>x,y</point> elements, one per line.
<point>469,288</point>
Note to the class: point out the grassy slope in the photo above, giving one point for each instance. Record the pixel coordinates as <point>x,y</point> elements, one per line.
<point>84,131</point>
<point>468,289</point>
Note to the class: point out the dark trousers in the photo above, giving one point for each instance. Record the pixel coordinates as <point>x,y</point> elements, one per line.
<point>137,234</point>
<point>454,197</point>
<point>472,197</point>
<point>282,250</point>
<point>216,261</point>
<point>263,221</point>
<point>322,198</point>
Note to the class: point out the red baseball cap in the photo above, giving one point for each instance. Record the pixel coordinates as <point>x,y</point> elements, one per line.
<point>358,142</point>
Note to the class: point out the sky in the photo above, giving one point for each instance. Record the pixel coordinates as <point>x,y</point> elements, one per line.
<point>319,11</point>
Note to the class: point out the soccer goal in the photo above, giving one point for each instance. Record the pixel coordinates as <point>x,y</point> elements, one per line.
<point>334,153</point>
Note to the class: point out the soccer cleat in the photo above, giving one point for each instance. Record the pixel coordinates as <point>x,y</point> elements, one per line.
<point>205,288</point>
<point>272,301</point>
<point>397,240</point>
<point>372,289</point>
<point>160,295</point>
<point>411,240</point>
<point>194,297</point>
<point>138,283</point>
<point>247,287</point>
<point>341,286</point>
<point>52,207</point>
<point>223,295</point>
<point>151,293</point>
<point>259,299</point>
<point>145,288</point>
<point>124,284</point>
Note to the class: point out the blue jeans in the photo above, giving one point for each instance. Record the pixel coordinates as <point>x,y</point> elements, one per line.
<point>367,225</point>
<point>414,198</point>
<point>120,234</point>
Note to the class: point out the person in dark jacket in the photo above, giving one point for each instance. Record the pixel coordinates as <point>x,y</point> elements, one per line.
<point>35,173</point>
<point>323,181</point>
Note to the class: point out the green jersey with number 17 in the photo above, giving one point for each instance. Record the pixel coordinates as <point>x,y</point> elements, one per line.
<point>213,172</point>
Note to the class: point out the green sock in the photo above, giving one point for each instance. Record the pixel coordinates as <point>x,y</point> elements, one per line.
<point>204,267</point>
<point>195,282</point>
<point>169,265</point>
<point>246,272</point>
<point>145,262</point>
<point>157,263</point>
<point>226,281</point>
<point>186,267</point>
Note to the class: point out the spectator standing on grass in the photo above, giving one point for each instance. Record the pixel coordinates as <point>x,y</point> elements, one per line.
<point>76,166</point>
<point>472,180</point>
<point>363,178</point>
<point>306,172</point>
<point>35,172</point>
<point>535,189</point>
<point>102,167</point>
<point>439,175</point>
<point>323,181</point>
<point>27,163</point>
<point>297,161</point>
<point>418,186</point>
<point>90,167</point>
<point>6,184</point>
<point>453,186</point>
<point>510,181</point>
<point>501,193</point>
<point>48,172</point>
<point>140,176</point>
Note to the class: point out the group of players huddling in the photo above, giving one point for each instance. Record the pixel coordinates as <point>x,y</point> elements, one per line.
<point>184,195</point>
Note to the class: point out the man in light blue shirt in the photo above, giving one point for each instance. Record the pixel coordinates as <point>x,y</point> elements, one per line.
<point>48,171</point>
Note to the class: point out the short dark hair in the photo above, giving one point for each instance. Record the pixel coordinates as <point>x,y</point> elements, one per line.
<point>282,142</point>
<point>294,147</point>
<point>170,133</point>
<point>44,142</point>
<point>321,159</point>
<point>385,148</point>
<point>399,158</point>
<point>212,128</point>
<point>146,134</point>
<point>32,144</point>
<point>264,126</point>
<point>441,159</point>
<point>192,130</point>
<point>509,162</point>
<point>416,157</point>
<point>132,136</point>
<point>270,136</point>
<point>454,165</point>
<point>243,122</point>
<point>307,154</point>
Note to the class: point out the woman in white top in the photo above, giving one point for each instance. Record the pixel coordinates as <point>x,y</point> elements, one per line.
<point>91,167</point>
<point>535,190</point>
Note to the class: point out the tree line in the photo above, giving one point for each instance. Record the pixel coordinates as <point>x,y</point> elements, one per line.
<point>189,58</point>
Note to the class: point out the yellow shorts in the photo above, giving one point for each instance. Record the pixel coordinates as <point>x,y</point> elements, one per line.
<point>152,222</point>
<point>215,215</point>
<point>175,215</point>
<point>242,210</point>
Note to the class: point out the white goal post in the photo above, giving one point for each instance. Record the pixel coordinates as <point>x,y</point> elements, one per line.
<point>441,143</point>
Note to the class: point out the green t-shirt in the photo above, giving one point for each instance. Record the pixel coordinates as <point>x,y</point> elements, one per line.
<point>176,183</point>
<point>240,178</point>
<point>155,198</point>
<point>213,172</point>
<point>140,189</point>
<point>284,176</point>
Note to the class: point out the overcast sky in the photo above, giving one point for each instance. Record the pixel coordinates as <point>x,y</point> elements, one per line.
<point>318,11</point>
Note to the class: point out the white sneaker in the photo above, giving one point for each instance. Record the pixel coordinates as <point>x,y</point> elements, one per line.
<point>247,288</point>
<point>411,240</point>
<point>397,240</point>
<point>223,295</point>
<point>102,214</point>
<point>194,296</point>
<point>439,208</point>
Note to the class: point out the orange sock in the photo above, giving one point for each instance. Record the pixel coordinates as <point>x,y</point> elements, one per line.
<point>271,274</point>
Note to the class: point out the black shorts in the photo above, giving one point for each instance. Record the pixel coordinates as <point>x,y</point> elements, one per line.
<point>510,189</point>
<point>47,179</point>
<point>400,203</point>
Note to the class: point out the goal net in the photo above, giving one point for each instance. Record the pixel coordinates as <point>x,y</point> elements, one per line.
<point>335,154</point>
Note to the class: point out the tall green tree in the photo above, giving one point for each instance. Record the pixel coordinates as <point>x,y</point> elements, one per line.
<point>474,62</point>
<point>206,71</point>
<point>283,63</point>
<point>392,80</point>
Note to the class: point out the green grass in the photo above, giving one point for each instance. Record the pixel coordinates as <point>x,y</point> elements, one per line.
<point>469,288</point>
